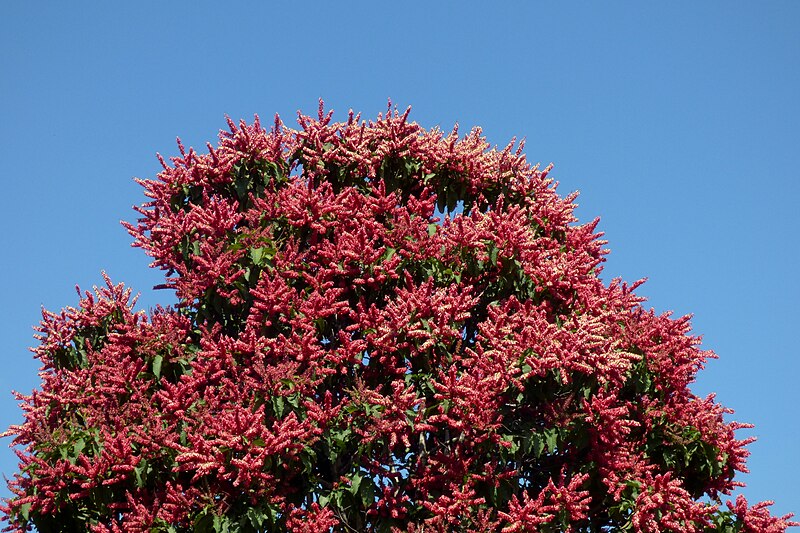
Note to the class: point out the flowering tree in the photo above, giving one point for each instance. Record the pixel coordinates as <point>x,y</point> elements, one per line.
<point>378,328</point>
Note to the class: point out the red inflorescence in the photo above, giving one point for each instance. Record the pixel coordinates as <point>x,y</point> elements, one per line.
<point>379,328</point>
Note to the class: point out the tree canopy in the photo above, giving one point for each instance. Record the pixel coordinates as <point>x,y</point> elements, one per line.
<point>379,328</point>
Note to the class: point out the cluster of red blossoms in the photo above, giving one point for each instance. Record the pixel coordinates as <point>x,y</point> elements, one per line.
<point>379,328</point>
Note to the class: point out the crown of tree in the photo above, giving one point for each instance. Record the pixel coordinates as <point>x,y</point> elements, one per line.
<point>378,328</point>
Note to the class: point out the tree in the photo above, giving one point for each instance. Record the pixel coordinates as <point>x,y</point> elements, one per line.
<point>378,328</point>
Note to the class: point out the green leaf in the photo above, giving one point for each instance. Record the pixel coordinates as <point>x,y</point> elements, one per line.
<point>242,184</point>
<point>78,446</point>
<point>256,254</point>
<point>261,256</point>
<point>514,444</point>
<point>551,437</point>
<point>204,522</point>
<point>493,251</point>
<point>257,517</point>
<point>157,360</point>
<point>140,472</point>
<point>294,400</point>
<point>355,483</point>
<point>538,445</point>
<point>367,493</point>
<point>279,405</point>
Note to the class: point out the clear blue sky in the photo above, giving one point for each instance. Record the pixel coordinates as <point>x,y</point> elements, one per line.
<point>677,121</point>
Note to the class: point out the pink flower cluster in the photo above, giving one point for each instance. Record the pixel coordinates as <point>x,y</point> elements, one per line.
<point>379,328</point>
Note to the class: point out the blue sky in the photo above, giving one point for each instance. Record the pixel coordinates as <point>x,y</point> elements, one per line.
<point>677,122</point>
